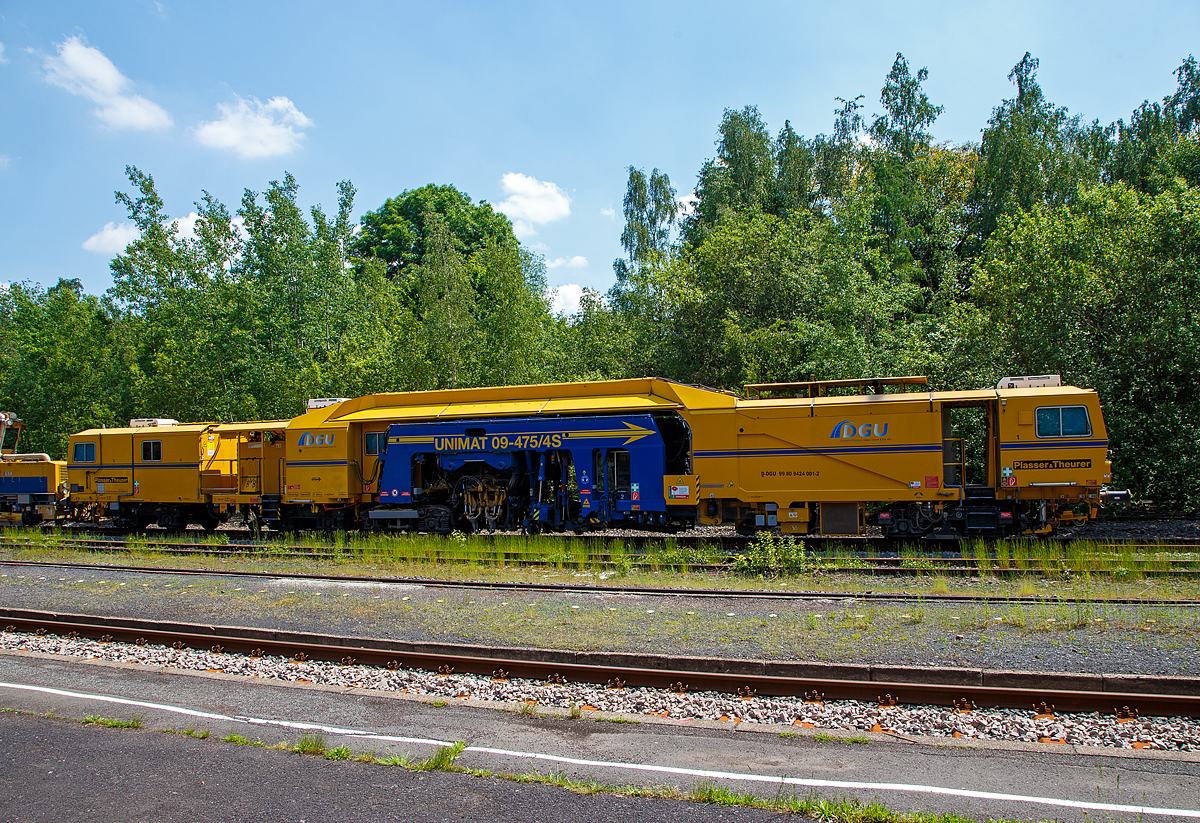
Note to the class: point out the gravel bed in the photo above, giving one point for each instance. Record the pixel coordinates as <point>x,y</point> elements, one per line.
<point>1088,637</point>
<point>1084,729</point>
<point>1129,529</point>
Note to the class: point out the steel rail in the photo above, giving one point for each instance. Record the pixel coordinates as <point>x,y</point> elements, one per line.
<point>684,539</point>
<point>589,588</point>
<point>891,562</point>
<point>1150,696</point>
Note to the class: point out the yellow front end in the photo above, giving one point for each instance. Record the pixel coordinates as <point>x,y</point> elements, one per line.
<point>110,467</point>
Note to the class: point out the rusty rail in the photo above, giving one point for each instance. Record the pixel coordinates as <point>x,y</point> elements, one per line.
<point>1150,696</point>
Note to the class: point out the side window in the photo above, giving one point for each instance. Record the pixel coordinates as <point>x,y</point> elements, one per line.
<point>151,451</point>
<point>1049,423</point>
<point>84,453</point>
<point>1063,421</point>
<point>1075,421</point>
<point>371,446</point>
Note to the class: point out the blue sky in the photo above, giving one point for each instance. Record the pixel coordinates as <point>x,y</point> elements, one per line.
<point>536,108</point>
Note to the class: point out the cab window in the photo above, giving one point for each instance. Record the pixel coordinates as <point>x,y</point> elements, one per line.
<point>151,451</point>
<point>371,444</point>
<point>1063,421</point>
<point>84,453</point>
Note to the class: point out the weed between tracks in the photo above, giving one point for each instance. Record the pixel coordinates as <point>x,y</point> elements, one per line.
<point>520,558</point>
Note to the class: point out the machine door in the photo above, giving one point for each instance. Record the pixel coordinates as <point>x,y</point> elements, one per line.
<point>374,445</point>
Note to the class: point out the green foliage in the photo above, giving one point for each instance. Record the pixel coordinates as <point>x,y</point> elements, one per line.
<point>772,555</point>
<point>1102,293</point>
<point>397,233</point>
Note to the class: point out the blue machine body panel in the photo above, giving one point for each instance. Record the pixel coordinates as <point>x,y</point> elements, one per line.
<point>618,464</point>
<point>23,485</point>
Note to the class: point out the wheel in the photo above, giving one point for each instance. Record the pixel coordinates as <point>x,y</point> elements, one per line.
<point>207,520</point>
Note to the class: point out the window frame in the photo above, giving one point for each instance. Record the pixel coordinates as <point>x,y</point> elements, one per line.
<point>151,458</point>
<point>84,444</point>
<point>1060,436</point>
<point>367,437</point>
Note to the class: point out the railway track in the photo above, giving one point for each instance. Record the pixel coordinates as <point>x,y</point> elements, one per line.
<point>600,589</point>
<point>722,542</point>
<point>1147,696</point>
<point>865,561</point>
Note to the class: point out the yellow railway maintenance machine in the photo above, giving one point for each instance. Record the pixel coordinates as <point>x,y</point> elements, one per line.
<point>31,484</point>
<point>824,457</point>
<point>148,472</point>
<point>821,461</point>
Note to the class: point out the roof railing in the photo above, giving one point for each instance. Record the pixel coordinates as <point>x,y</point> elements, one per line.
<point>821,388</point>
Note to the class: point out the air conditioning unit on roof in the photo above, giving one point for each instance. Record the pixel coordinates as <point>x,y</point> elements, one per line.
<point>151,422</point>
<point>322,402</point>
<point>1034,381</point>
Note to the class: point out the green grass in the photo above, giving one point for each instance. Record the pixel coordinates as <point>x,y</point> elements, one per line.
<point>134,722</point>
<point>829,738</point>
<point>441,760</point>
<point>310,744</point>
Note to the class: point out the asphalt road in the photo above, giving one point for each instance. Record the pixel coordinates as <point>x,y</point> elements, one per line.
<point>59,769</point>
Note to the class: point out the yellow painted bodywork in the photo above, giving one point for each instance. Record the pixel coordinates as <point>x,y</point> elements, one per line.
<point>775,455</point>
<point>241,462</point>
<point>54,471</point>
<point>120,475</point>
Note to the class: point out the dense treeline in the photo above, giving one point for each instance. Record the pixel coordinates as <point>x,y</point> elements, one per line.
<point>1051,245</point>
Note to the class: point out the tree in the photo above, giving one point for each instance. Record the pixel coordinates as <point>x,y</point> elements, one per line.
<point>397,232</point>
<point>448,306</point>
<point>650,209</point>
<point>739,179</point>
<point>1101,292</point>
<point>1032,152</point>
<point>901,129</point>
<point>63,369</point>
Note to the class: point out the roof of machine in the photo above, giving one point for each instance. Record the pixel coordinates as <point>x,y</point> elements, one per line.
<point>647,394</point>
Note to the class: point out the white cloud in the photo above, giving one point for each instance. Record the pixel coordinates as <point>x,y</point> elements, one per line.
<point>252,129</point>
<point>85,71</point>
<point>608,212</point>
<point>687,204</point>
<point>565,299</point>
<point>112,239</point>
<point>4,161</point>
<point>3,59</point>
<point>186,226</point>
<point>531,201</point>
<point>576,262</point>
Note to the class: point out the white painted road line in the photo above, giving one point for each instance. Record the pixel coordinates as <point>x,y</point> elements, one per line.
<point>637,767</point>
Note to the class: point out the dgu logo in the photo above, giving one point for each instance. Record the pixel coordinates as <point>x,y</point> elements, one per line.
<point>848,429</point>
<point>310,439</point>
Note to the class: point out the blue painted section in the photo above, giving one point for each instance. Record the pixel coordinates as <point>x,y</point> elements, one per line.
<point>532,452</point>
<point>138,466</point>
<point>1056,443</point>
<point>918,448</point>
<point>23,485</point>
